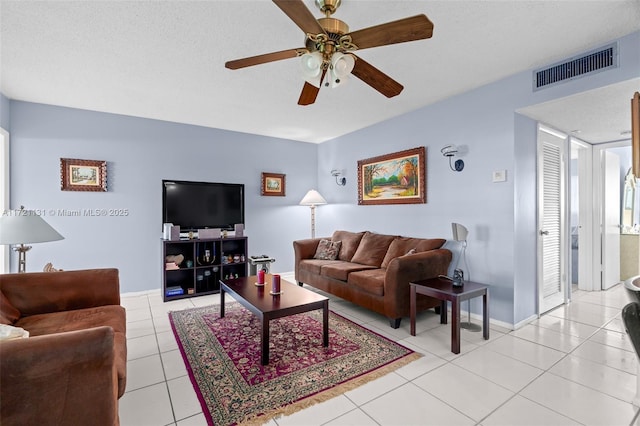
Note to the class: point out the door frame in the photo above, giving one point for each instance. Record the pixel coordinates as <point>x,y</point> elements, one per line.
<point>586,207</point>
<point>4,193</point>
<point>598,209</point>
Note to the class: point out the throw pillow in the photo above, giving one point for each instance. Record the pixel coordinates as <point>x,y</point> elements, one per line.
<point>372,249</point>
<point>327,250</point>
<point>9,332</point>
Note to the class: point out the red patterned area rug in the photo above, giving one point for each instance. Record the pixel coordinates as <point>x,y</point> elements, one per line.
<point>222,356</point>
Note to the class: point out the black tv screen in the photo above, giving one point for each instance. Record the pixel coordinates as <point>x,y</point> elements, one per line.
<point>199,205</point>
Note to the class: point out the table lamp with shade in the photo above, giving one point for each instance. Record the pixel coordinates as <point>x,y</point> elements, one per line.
<point>313,199</point>
<point>460,233</point>
<point>21,227</point>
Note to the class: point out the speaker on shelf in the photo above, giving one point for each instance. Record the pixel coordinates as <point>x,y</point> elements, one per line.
<point>239,229</point>
<point>209,233</point>
<point>175,233</point>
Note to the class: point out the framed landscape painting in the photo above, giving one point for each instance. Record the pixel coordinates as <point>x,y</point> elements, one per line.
<point>83,175</point>
<point>397,178</point>
<point>273,184</point>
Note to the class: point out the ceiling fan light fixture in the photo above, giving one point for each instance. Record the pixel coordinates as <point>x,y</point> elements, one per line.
<point>311,64</point>
<point>341,66</point>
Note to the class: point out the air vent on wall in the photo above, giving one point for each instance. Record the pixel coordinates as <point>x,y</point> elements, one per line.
<point>579,66</point>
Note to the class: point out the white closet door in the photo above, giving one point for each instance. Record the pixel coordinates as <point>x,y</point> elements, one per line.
<point>552,151</point>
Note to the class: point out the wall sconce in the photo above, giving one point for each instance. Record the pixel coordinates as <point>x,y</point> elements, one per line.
<point>340,180</point>
<point>451,151</point>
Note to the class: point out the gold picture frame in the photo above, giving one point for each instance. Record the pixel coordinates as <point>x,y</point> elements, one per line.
<point>397,178</point>
<point>83,175</point>
<point>273,184</point>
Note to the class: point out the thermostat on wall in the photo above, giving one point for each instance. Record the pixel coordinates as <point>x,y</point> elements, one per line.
<point>499,176</point>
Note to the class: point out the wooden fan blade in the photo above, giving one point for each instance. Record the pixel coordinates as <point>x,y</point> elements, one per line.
<point>298,13</point>
<point>376,78</point>
<point>310,92</point>
<point>263,59</point>
<point>416,27</point>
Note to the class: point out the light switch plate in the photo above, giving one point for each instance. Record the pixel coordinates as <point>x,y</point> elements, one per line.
<point>499,176</point>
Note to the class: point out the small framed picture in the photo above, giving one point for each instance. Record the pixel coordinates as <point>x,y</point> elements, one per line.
<point>273,184</point>
<point>83,175</point>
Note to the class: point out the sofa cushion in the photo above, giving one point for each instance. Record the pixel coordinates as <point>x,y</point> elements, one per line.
<point>350,241</point>
<point>327,250</point>
<point>372,281</point>
<point>8,313</point>
<point>401,246</point>
<point>372,249</point>
<point>342,270</point>
<point>315,265</point>
<point>78,319</point>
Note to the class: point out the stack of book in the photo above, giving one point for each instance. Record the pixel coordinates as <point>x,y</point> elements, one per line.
<point>174,291</point>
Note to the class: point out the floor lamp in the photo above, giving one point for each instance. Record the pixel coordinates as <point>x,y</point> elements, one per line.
<point>313,199</point>
<point>22,227</point>
<point>460,234</point>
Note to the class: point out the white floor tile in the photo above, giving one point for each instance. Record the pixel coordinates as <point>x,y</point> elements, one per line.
<point>173,364</point>
<point>525,351</point>
<point>600,377</point>
<point>410,405</point>
<point>320,413</point>
<point>423,365</point>
<point>184,400</point>
<point>139,347</point>
<point>148,406</point>
<point>520,411</point>
<point>374,389</point>
<point>549,338</point>
<point>578,402</point>
<point>197,420</point>
<point>140,328</point>
<point>167,341</point>
<point>142,372</point>
<point>613,338</point>
<point>501,369</point>
<point>471,394</point>
<point>586,313</point>
<point>562,325</point>
<point>608,355</point>
<point>355,417</point>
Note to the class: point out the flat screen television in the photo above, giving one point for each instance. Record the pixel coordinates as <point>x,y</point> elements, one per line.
<point>200,205</point>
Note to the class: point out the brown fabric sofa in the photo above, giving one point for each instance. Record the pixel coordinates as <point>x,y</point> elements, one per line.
<point>373,270</point>
<point>71,370</point>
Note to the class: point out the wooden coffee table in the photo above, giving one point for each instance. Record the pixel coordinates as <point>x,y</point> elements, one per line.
<point>443,290</point>
<point>258,300</point>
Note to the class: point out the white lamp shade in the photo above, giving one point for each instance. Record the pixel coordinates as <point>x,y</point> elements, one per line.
<point>341,67</point>
<point>311,67</point>
<point>24,227</point>
<point>459,232</point>
<point>313,198</point>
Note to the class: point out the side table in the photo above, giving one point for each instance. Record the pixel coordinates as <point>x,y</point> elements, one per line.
<point>443,290</point>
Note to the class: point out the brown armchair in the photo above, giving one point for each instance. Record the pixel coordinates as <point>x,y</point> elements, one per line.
<point>72,368</point>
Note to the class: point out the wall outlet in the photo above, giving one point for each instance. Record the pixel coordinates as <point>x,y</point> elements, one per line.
<point>499,176</point>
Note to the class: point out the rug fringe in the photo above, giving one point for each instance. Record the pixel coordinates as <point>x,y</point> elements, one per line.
<point>329,393</point>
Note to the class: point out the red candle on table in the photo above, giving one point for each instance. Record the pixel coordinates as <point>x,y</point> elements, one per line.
<point>261,276</point>
<point>275,284</point>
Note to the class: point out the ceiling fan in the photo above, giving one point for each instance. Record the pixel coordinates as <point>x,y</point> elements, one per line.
<point>328,58</point>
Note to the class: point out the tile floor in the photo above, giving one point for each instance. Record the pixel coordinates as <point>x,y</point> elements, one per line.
<point>573,366</point>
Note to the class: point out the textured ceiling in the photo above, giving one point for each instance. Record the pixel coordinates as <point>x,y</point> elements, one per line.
<point>165,60</point>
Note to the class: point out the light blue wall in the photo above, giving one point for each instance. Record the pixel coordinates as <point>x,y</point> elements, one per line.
<point>139,154</point>
<point>484,123</point>
<point>501,217</point>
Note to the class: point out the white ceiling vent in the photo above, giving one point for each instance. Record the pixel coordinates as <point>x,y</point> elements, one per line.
<point>579,66</point>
